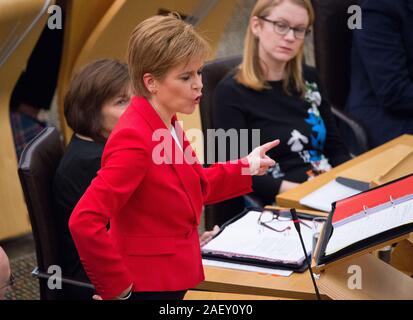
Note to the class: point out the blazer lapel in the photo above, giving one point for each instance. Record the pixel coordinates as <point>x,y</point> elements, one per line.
<point>189,177</point>
<point>190,155</point>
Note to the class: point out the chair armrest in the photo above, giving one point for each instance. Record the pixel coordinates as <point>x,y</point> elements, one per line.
<point>36,273</point>
<point>356,128</point>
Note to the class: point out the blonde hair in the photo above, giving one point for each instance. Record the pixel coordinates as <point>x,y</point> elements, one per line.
<point>160,43</point>
<point>250,72</point>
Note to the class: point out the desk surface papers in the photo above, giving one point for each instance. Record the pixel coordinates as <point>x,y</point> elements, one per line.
<point>322,198</point>
<point>247,239</point>
<point>243,267</point>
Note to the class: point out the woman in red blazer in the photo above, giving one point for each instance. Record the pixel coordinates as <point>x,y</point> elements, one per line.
<point>149,187</point>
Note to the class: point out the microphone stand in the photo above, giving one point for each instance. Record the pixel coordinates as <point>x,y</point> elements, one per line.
<point>298,228</point>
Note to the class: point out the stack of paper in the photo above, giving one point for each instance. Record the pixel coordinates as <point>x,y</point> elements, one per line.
<point>243,267</point>
<point>245,238</point>
<point>322,198</point>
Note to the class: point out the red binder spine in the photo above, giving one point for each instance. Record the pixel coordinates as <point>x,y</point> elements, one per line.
<point>361,202</point>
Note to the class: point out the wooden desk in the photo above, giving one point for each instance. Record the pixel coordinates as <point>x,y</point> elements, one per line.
<point>291,198</point>
<point>379,281</point>
<point>402,257</point>
<point>297,286</point>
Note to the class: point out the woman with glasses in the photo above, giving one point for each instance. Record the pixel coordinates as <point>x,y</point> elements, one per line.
<point>274,92</point>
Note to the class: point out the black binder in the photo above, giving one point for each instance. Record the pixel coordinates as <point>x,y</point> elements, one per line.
<point>281,265</point>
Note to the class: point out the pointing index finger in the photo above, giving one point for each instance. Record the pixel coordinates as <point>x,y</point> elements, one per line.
<point>269,145</point>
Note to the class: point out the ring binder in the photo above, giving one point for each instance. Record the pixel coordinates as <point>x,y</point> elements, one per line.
<point>392,201</point>
<point>387,213</point>
<point>240,241</point>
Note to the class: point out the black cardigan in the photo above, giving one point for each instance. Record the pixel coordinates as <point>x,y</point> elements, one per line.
<point>76,170</point>
<point>310,141</point>
<point>381,93</point>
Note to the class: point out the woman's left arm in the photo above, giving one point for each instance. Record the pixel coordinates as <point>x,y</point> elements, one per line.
<point>334,148</point>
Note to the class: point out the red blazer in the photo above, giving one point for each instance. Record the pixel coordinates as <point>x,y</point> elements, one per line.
<point>153,209</point>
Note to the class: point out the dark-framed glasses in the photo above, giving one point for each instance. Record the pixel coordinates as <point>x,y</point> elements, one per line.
<point>282,28</point>
<point>9,282</point>
<point>283,217</point>
<point>266,217</point>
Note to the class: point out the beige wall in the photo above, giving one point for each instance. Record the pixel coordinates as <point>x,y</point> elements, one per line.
<point>110,37</point>
<point>16,18</point>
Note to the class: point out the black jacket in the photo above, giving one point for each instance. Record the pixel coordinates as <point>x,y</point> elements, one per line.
<point>381,95</point>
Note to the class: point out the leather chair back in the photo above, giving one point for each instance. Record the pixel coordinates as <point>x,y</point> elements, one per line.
<point>332,45</point>
<point>332,49</point>
<point>37,168</point>
<point>212,74</point>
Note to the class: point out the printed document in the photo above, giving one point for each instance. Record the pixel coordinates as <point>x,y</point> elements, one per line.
<point>370,223</point>
<point>246,238</point>
<point>322,198</point>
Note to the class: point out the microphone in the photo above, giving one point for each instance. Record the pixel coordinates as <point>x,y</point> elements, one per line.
<point>298,228</point>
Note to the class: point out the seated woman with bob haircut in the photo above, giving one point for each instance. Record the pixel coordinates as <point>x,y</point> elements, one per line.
<point>97,97</point>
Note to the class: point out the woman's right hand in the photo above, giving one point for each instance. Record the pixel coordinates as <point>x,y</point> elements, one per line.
<point>258,161</point>
<point>208,235</point>
<point>119,297</point>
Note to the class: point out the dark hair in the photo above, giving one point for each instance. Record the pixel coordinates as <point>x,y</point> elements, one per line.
<point>89,90</point>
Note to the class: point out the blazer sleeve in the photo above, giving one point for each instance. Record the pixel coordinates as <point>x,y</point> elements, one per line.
<point>227,180</point>
<point>123,169</point>
<point>381,48</point>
